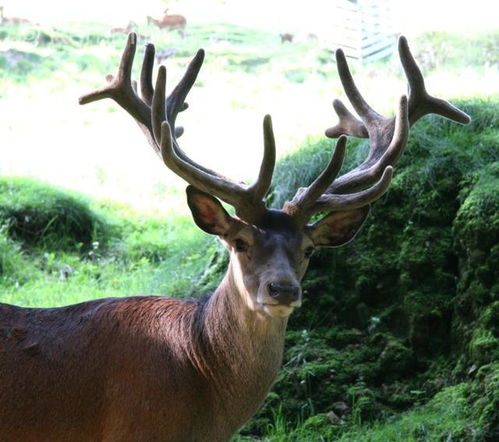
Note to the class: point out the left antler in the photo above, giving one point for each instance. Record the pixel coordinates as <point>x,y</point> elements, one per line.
<point>387,139</point>
<point>157,116</point>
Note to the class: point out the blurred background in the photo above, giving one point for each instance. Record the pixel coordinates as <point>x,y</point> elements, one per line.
<point>262,57</point>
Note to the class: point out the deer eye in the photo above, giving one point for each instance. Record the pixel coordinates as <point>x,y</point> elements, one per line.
<point>240,245</point>
<point>308,252</point>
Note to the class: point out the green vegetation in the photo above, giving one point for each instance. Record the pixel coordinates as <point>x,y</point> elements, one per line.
<point>398,335</point>
<point>397,338</point>
<point>58,248</point>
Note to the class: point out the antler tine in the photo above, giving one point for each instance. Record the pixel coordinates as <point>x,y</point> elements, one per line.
<point>175,103</point>
<point>146,88</point>
<point>301,206</point>
<point>158,105</point>
<point>122,90</point>
<point>420,102</point>
<point>347,125</point>
<point>247,200</point>
<point>262,185</point>
<point>120,87</point>
<point>329,202</point>
<point>366,113</point>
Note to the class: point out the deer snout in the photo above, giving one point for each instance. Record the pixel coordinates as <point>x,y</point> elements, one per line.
<point>285,293</point>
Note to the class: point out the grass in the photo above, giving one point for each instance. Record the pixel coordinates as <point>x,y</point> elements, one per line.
<point>446,417</point>
<point>58,248</point>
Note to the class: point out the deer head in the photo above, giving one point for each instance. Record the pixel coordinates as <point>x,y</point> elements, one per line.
<point>270,248</point>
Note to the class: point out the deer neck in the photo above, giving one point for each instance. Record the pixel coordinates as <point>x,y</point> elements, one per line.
<point>244,346</point>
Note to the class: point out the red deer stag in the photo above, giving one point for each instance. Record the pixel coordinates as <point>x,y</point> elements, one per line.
<point>169,22</point>
<point>157,368</point>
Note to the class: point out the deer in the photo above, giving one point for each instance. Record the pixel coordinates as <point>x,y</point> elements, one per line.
<point>11,20</point>
<point>169,22</point>
<point>151,368</point>
<point>287,37</point>
<point>126,31</point>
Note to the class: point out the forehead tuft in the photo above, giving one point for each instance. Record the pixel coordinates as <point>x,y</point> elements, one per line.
<point>277,220</point>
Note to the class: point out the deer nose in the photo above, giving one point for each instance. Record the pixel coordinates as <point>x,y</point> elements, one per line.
<point>284,293</point>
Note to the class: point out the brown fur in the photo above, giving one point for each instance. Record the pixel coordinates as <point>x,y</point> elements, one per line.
<point>169,22</point>
<point>140,368</point>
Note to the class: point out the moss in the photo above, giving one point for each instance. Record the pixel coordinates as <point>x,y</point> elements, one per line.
<point>485,397</point>
<point>476,229</point>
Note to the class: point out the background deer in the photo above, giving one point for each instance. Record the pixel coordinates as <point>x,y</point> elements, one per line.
<point>157,368</point>
<point>11,20</point>
<point>169,22</point>
<point>129,28</point>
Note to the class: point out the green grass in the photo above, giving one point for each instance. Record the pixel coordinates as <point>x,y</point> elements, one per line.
<point>58,248</point>
<point>446,417</point>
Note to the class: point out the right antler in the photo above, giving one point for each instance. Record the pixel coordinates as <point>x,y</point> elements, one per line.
<point>378,128</point>
<point>387,139</point>
<point>157,116</point>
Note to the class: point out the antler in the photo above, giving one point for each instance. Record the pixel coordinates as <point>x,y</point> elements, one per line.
<point>156,115</point>
<point>387,139</point>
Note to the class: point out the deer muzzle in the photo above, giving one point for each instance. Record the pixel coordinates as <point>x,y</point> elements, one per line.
<point>286,294</point>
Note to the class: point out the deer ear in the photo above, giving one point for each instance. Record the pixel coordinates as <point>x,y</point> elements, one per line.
<point>338,228</point>
<point>208,212</point>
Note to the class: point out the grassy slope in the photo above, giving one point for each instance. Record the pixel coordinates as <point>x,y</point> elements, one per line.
<point>379,353</point>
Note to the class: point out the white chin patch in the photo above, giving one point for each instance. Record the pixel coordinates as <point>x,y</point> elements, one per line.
<point>281,311</point>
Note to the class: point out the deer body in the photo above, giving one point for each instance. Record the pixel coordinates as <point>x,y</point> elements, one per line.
<point>161,369</point>
<point>169,22</point>
<point>165,369</point>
